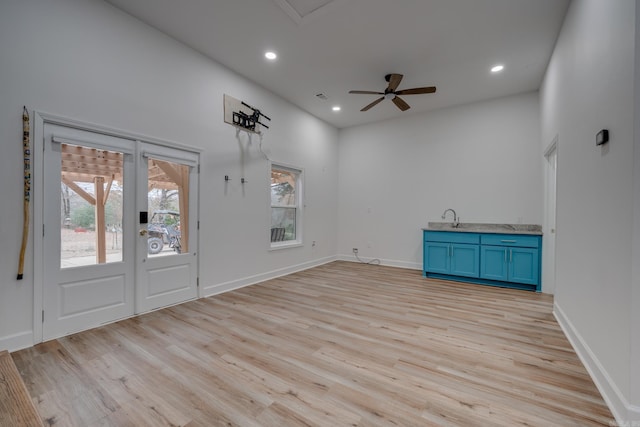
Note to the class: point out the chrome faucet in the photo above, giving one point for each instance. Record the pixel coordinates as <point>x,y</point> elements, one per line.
<point>456,220</point>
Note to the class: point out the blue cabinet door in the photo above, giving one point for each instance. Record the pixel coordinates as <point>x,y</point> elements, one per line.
<point>524,265</point>
<point>465,260</point>
<point>436,257</point>
<point>494,263</point>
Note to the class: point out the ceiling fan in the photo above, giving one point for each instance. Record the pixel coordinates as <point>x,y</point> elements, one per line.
<point>391,93</point>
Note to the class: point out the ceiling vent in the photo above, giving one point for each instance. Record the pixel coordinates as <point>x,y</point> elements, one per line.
<point>301,10</point>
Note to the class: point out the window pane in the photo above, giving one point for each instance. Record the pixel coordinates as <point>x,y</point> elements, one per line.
<point>283,187</point>
<point>283,224</point>
<point>90,229</point>
<point>168,225</point>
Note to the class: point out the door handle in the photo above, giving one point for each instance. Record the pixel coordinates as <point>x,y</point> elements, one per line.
<point>143,232</point>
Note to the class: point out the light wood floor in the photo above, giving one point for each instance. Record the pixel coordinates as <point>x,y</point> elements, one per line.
<point>338,345</point>
<point>16,406</point>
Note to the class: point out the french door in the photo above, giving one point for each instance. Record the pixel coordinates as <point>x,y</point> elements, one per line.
<point>106,256</point>
<point>167,224</point>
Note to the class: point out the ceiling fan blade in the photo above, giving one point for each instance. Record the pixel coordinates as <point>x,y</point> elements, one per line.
<point>400,103</point>
<point>417,91</point>
<point>394,81</point>
<point>366,92</point>
<point>374,103</point>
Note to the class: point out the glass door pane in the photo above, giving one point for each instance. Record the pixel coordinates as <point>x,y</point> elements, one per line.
<point>167,204</point>
<point>91,206</point>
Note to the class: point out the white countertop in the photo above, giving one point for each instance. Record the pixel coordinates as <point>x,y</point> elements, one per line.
<point>467,227</point>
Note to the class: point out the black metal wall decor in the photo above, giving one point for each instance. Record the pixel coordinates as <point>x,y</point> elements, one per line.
<point>244,120</point>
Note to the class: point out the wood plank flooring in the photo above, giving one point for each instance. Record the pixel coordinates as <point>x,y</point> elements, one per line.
<point>343,344</point>
<point>16,406</point>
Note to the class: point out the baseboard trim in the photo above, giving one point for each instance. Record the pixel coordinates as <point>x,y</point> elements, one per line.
<point>252,280</point>
<point>623,412</point>
<point>17,341</point>
<point>634,415</point>
<point>387,262</point>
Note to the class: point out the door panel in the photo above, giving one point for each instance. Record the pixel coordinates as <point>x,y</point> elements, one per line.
<point>436,258</point>
<point>494,263</point>
<point>105,292</point>
<point>89,186</point>
<point>524,265</point>
<point>166,280</point>
<point>465,260</point>
<point>167,191</point>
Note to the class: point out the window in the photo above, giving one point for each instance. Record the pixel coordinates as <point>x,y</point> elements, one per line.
<point>286,212</point>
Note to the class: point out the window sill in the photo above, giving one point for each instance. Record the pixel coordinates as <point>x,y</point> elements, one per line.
<point>285,245</point>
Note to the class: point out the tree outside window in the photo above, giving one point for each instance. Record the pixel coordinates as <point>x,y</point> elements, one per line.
<point>286,191</point>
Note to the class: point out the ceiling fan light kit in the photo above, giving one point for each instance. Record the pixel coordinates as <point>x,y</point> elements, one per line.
<point>391,93</point>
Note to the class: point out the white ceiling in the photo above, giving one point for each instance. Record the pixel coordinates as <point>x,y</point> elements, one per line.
<point>333,46</point>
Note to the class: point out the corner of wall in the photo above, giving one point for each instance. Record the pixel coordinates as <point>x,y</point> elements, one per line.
<point>621,409</point>
<point>242,282</point>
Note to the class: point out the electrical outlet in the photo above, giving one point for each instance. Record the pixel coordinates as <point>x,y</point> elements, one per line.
<point>355,250</point>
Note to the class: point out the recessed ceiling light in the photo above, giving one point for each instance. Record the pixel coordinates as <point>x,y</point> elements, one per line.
<point>497,68</point>
<point>336,108</point>
<point>270,55</point>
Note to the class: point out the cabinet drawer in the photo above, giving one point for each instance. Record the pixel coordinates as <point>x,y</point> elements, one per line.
<point>523,241</point>
<point>451,237</point>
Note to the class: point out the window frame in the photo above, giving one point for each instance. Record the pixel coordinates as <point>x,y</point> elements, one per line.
<point>299,205</point>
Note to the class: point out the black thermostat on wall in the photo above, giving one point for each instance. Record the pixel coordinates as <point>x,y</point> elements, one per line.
<point>602,137</point>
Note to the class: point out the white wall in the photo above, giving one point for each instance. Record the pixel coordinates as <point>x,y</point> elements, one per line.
<point>634,377</point>
<point>482,160</point>
<point>588,87</point>
<point>85,60</point>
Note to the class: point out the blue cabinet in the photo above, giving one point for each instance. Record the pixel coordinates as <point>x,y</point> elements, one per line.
<point>436,257</point>
<point>494,263</point>
<point>464,260</point>
<point>511,258</point>
<point>452,253</point>
<point>519,265</point>
<point>493,259</point>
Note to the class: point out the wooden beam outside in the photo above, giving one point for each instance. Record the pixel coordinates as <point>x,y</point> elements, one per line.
<point>171,170</point>
<point>101,245</point>
<point>72,185</point>
<point>108,190</point>
<point>183,195</point>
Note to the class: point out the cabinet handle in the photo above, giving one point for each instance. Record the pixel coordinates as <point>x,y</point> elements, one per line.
<point>509,241</point>
<point>505,256</point>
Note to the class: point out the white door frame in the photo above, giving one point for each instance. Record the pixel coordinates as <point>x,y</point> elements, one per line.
<point>37,188</point>
<point>550,208</point>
